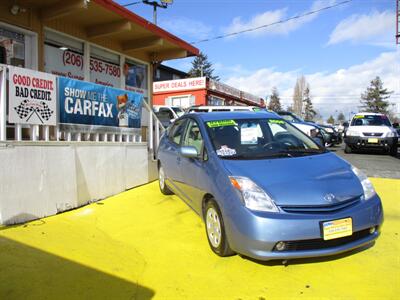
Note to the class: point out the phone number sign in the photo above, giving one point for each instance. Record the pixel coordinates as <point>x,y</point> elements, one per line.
<point>71,64</point>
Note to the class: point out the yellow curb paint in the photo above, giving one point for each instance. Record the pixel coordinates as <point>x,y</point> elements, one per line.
<point>141,244</point>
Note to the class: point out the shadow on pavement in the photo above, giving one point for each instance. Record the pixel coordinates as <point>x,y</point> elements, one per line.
<point>299,261</point>
<point>29,273</point>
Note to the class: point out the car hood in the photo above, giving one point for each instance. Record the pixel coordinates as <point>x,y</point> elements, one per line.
<point>307,180</point>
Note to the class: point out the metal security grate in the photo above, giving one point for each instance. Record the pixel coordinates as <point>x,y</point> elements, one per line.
<point>321,208</point>
<point>372,133</point>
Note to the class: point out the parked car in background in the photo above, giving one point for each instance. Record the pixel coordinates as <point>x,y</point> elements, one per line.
<point>309,128</point>
<point>221,108</point>
<point>264,189</point>
<point>167,114</point>
<point>333,137</point>
<point>371,131</point>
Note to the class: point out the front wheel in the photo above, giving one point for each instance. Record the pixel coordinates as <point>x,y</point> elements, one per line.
<point>215,230</point>
<point>161,181</point>
<point>347,149</point>
<point>393,150</point>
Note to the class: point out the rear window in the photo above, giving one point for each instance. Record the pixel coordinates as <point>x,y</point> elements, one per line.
<point>370,120</point>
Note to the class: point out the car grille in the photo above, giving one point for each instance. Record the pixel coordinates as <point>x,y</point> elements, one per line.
<point>317,244</point>
<point>320,208</point>
<point>372,133</point>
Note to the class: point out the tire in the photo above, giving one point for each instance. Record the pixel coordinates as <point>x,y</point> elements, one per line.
<point>347,149</point>
<point>215,230</point>
<point>393,150</point>
<point>161,182</point>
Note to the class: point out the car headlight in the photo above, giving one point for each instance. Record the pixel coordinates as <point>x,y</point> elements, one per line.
<point>351,133</point>
<point>391,134</point>
<point>367,186</point>
<point>254,197</point>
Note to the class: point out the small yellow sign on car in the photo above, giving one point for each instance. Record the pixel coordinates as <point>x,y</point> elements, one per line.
<point>337,229</point>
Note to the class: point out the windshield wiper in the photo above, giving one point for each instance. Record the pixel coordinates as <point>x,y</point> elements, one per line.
<point>259,156</point>
<point>305,151</point>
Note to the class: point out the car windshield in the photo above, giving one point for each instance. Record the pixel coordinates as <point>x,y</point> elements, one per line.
<point>178,111</point>
<point>259,138</point>
<point>370,120</point>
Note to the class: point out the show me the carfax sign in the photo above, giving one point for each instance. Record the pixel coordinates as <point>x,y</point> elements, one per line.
<point>32,97</point>
<point>93,104</point>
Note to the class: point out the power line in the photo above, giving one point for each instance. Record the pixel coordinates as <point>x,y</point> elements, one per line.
<point>271,24</point>
<point>132,3</point>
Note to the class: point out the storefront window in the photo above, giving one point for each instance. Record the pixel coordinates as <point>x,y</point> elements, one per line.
<point>104,67</point>
<point>63,56</point>
<point>212,100</point>
<point>12,48</point>
<point>136,77</point>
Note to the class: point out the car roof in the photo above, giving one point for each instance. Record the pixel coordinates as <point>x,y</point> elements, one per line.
<point>370,114</point>
<point>233,115</point>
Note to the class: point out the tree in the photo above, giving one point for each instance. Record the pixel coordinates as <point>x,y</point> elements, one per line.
<point>341,118</point>
<point>374,98</point>
<point>309,112</point>
<point>274,102</point>
<point>331,120</point>
<point>201,66</point>
<point>298,95</point>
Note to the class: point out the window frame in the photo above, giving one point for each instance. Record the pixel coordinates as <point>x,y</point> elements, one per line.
<point>189,120</point>
<point>184,124</point>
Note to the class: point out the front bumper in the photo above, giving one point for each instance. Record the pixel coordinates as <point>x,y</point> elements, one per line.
<point>370,142</point>
<point>256,234</point>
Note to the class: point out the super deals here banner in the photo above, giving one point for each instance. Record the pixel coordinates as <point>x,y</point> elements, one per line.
<point>93,104</point>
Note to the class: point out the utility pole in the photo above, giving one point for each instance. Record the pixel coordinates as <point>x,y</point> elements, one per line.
<point>155,4</point>
<point>398,22</point>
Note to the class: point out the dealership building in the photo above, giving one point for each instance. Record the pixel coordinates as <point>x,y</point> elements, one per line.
<point>76,81</point>
<point>201,91</point>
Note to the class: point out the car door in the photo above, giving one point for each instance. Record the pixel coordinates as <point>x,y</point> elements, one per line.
<point>194,172</point>
<point>170,157</point>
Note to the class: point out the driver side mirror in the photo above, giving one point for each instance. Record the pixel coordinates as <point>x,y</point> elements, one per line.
<point>396,125</point>
<point>189,152</point>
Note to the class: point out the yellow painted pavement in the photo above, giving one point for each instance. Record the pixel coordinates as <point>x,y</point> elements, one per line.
<point>141,245</point>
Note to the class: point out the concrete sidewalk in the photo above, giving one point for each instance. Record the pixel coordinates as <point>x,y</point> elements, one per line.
<point>141,245</point>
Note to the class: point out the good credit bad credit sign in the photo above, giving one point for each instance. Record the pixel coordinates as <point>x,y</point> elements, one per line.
<point>93,104</point>
<point>32,97</point>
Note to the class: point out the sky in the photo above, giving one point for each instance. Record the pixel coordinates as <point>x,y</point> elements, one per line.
<point>338,50</point>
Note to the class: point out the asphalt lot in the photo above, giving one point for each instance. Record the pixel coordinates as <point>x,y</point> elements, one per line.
<point>373,163</point>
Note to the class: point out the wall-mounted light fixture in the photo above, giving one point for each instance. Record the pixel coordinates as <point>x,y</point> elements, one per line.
<point>16,9</point>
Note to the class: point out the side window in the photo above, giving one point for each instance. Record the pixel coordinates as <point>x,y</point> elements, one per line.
<point>176,131</point>
<point>193,136</point>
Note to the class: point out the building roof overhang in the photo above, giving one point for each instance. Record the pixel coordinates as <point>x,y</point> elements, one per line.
<point>103,21</point>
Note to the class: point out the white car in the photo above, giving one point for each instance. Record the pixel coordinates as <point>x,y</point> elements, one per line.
<point>167,114</point>
<point>371,130</point>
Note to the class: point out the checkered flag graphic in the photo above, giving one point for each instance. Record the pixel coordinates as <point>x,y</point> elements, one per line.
<point>23,109</point>
<point>45,111</point>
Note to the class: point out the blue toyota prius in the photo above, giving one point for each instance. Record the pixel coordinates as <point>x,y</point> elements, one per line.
<point>264,189</point>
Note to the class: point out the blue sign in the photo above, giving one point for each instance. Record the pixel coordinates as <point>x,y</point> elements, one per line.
<point>93,104</point>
